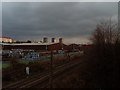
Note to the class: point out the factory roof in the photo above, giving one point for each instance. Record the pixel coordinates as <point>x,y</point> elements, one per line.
<point>6,37</point>
<point>27,43</point>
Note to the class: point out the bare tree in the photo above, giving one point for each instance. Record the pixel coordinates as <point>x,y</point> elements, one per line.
<point>106,32</point>
<point>106,40</point>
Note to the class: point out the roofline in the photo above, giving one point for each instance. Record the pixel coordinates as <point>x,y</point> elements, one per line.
<point>6,37</point>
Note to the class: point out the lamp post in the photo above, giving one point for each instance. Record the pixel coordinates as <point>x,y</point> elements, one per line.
<point>51,70</point>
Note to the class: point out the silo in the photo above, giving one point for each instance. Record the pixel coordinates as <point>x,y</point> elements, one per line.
<point>45,40</point>
<point>60,40</point>
<point>53,40</point>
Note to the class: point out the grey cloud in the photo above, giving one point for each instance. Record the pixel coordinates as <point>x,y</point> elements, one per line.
<point>0,19</point>
<point>67,19</point>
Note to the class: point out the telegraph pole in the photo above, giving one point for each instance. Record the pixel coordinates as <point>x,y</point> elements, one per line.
<point>51,70</point>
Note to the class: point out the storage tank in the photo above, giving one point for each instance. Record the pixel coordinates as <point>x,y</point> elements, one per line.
<point>53,40</point>
<point>45,40</point>
<point>60,40</point>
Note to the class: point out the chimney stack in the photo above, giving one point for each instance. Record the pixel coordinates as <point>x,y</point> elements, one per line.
<point>53,40</point>
<point>60,40</point>
<point>45,40</point>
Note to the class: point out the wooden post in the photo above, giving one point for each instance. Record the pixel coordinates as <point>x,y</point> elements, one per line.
<point>68,56</point>
<point>51,70</point>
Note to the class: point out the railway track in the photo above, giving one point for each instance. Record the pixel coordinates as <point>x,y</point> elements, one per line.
<point>56,75</point>
<point>42,80</point>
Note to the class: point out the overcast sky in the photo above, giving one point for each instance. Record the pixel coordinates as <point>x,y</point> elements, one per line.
<point>74,21</point>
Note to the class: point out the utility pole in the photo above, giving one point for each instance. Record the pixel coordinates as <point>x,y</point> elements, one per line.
<point>51,70</point>
<point>68,56</point>
<point>46,47</point>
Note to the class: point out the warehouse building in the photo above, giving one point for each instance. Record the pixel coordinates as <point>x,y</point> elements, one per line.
<point>6,39</point>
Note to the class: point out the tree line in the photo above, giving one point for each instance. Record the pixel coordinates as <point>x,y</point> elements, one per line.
<point>105,54</point>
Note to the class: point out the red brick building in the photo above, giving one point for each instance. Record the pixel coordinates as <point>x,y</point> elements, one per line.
<point>57,46</point>
<point>74,47</point>
<point>43,46</point>
<point>36,46</point>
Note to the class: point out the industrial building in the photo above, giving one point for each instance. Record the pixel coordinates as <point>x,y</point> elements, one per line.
<point>36,46</point>
<point>6,39</point>
<point>43,46</point>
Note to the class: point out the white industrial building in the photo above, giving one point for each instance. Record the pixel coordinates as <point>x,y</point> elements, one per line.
<point>6,39</point>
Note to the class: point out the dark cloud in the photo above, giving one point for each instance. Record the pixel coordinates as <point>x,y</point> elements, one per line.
<point>64,19</point>
<point>0,19</point>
